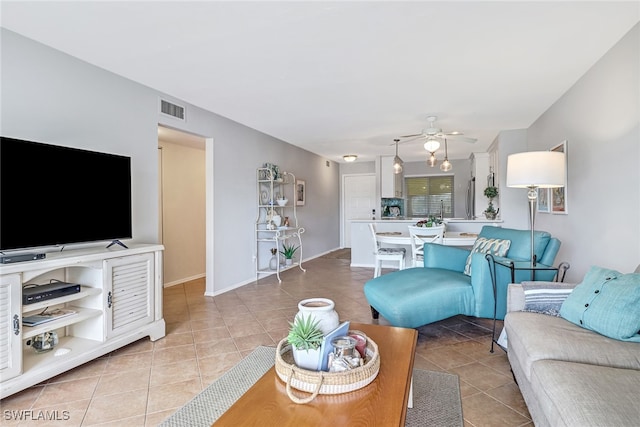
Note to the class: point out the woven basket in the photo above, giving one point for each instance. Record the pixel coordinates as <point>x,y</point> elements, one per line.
<point>320,382</point>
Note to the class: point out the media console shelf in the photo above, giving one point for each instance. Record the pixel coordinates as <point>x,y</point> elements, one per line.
<point>120,301</point>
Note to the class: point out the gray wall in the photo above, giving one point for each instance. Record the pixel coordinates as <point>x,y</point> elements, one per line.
<point>599,117</point>
<point>52,97</point>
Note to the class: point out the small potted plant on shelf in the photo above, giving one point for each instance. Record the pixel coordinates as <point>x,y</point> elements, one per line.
<point>288,251</point>
<point>491,193</point>
<point>305,337</point>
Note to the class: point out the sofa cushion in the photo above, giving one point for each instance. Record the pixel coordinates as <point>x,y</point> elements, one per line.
<point>418,296</point>
<point>534,337</point>
<point>576,394</point>
<point>496,247</point>
<point>607,302</point>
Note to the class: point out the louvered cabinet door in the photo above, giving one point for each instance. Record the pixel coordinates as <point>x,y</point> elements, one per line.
<point>10,326</point>
<point>129,286</point>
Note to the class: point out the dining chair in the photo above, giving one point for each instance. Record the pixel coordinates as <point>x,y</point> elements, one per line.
<point>420,236</point>
<point>385,254</point>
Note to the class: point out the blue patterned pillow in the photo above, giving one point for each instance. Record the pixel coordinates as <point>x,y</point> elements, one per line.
<point>607,302</point>
<point>496,247</point>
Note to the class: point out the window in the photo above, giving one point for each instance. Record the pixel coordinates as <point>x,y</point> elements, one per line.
<point>426,196</point>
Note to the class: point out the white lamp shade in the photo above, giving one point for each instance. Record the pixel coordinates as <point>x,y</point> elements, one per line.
<point>543,169</point>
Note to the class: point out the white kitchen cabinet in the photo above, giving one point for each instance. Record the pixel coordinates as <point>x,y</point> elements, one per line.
<point>390,183</point>
<point>120,301</point>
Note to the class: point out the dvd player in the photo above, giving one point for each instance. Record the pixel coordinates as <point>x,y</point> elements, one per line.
<point>9,259</point>
<point>49,291</point>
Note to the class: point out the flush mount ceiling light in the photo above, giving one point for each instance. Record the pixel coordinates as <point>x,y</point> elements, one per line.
<point>397,161</point>
<point>349,157</point>
<point>446,166</point>
<point>431,145</point>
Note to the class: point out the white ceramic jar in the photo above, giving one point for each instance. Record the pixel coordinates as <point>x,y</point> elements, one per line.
<point>323,311</point>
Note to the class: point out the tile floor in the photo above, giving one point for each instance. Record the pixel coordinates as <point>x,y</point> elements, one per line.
<point>145,382</point>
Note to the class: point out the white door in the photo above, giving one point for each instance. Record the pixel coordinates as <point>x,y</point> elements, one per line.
<point>359,199</point>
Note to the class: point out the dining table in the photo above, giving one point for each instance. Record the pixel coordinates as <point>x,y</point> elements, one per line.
<point>449,239</point>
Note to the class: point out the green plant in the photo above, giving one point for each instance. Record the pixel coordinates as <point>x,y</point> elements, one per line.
<point>431,221</point>
<point>305,333</point>
<point>288,250</point>
<point>491,192</point>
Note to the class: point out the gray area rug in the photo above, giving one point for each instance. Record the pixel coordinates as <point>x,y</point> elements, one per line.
<point>436,395</point>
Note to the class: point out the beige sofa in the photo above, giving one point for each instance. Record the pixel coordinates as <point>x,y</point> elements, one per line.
<point>568,375</point>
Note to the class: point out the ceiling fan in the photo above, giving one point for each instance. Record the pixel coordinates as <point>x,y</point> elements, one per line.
<point>433,132</point>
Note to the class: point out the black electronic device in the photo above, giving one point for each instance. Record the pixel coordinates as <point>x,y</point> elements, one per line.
<point>72,195</point>
<point>33,294</point>
<point>9,259</point>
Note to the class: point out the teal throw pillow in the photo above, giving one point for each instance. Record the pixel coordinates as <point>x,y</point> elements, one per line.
<point>607,302</point>
<point>496,247</point>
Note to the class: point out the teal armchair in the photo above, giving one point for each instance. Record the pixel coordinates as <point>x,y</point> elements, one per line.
<point>421,295</point>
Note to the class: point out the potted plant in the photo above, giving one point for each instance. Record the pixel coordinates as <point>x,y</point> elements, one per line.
<point>305,337</point>
<point>491,193</point>
<point>288,251</point>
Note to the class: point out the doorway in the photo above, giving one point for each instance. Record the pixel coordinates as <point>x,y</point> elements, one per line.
<point>182,182</point>
<point>358,201</point>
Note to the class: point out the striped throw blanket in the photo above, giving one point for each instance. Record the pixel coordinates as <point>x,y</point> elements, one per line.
<point>545,297</point>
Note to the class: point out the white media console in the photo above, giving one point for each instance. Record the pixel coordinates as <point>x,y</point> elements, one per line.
<point>120,302</point>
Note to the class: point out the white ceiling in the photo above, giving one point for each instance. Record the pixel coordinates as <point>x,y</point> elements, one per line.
<point>343,77</point>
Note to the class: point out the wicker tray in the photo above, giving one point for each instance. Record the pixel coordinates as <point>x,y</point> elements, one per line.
<point>320,382</point>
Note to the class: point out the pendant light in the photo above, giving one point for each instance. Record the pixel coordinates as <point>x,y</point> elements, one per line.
<point>446,166</point>
<point>432,161</point>
<point>397,161</point>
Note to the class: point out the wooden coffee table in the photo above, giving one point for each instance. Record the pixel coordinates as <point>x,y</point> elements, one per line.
<point>381,403</point>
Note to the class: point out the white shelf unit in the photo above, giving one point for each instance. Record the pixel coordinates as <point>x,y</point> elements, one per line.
<point>120,301</point>
<point>268,234</point>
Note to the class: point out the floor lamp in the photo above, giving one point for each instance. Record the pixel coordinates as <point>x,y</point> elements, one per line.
<point>533,170</point>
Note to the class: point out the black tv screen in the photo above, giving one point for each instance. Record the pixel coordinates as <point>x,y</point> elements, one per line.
<point>53,195</point>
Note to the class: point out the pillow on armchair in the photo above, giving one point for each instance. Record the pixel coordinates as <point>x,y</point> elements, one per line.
<point>496,247</point>
<point>607,302</point>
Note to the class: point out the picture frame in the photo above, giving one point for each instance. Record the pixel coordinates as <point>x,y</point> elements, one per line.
<point>543,200</point>
<point>301,192</point>
<point>558,196</point>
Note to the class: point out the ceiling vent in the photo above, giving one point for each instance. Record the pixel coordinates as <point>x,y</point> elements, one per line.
<point>171,109</point>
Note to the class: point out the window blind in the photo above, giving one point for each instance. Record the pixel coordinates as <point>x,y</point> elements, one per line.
<point>427,194</point>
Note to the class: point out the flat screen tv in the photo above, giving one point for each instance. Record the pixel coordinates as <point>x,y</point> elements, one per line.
<point>52,195</point>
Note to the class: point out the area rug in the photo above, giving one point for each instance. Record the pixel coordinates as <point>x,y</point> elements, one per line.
<point>436,395</point>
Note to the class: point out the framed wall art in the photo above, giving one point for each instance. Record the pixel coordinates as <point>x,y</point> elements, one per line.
<point>543,200</point>
<point>301,192</point>
<point>558,196</point>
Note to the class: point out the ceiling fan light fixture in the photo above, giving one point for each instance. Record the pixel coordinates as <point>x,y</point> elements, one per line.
<point>350,157</point>
<point>432,145</point>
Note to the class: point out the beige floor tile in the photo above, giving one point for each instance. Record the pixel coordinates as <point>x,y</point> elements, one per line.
<point>181,353</point>
<point>68,391</point>
<point>115,407</point>
<point>482,410</point>
<point>120,382</point>
<point>129,362</point>
<point>174,373</point>
<point>172,395</point>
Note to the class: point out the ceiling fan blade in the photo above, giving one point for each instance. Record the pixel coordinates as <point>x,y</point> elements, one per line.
<point>462,138</point>
<point>415,137</point>
<point>411,136</point>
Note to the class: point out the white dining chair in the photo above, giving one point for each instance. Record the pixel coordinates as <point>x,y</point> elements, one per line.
<point>420,236</point>
<point>385,254</point>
